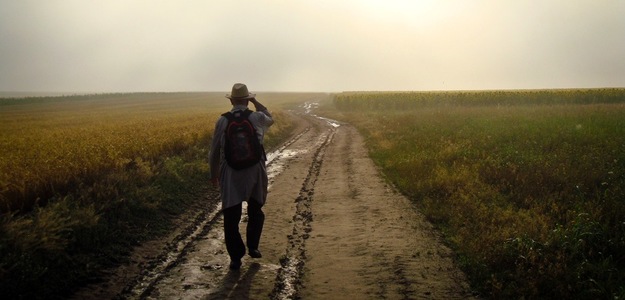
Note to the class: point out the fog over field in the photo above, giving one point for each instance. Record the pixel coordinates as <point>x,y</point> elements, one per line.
<point>321,45</point>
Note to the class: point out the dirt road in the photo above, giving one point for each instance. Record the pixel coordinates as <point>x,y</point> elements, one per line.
<point>334,230</point>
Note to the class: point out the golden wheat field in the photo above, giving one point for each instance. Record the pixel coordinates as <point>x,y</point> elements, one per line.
<point>82,177</point>
<point>50,145</point>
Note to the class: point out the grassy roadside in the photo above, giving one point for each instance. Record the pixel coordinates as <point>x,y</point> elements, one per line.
<point>529,193</point>
<point>73,238</point>
<point>106,172</point>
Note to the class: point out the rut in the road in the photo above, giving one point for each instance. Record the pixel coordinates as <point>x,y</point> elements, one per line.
<point>204,222</point>
<point>174,253</point>
<point>291,269</point>
<point>366,242</point>
<point>155,280</point>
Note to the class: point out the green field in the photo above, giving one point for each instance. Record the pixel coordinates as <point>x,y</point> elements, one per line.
<point>527,186</point>
<point>85,177</point>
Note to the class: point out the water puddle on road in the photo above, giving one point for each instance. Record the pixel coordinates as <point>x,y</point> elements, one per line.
<point>310,106</point>
<point>184,266</point>
<point>278,160</point>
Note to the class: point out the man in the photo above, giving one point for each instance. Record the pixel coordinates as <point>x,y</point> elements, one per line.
<point>238,185</point>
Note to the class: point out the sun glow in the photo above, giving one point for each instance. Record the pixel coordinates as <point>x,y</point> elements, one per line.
<point>407,12</point>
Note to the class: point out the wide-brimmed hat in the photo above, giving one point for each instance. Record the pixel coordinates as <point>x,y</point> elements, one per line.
<point>239,91</point>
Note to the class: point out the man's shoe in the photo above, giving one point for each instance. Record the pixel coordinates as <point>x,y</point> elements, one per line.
<point>254,253</point>
<point>235,264</point>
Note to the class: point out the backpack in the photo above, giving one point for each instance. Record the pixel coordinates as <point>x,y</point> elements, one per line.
<point>242,148</point>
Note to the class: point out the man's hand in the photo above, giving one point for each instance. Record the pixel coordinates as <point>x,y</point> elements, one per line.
<point>215,181</point>
<point>257,105</point>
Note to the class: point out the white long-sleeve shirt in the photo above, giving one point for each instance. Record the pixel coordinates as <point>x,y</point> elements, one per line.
<point>240,185</point>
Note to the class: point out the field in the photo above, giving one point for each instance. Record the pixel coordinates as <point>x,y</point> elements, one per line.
<point>527,186</point>
<point>85,177</point>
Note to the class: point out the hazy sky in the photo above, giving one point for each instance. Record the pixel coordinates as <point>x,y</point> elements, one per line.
<point>316,45</point>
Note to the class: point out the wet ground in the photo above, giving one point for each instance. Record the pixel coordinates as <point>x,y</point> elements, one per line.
<point>333,230</point>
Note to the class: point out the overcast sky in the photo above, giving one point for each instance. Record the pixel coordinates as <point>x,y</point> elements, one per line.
<point>316,45</point>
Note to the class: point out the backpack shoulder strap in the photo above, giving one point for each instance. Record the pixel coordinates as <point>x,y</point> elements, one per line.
<point>246,113</point>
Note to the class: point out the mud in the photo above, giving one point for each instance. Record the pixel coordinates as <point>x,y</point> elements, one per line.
<point>333,230</point>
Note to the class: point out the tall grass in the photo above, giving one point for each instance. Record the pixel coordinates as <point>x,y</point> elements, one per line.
<point>530,194</point>
<point>83,178</point>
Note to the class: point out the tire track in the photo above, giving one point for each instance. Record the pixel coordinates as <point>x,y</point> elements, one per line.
<point>368,241</point>
<point>288,280</point>
<point>173,254</point>
<point>204,222</point>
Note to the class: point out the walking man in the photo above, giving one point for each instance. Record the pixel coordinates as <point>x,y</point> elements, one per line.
<point>237,165</point>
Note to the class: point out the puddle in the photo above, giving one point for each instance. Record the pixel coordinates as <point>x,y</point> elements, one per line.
<point>331,122</point>
<point>279,160</point>
<point>158,278</point>
<point>310,106</point>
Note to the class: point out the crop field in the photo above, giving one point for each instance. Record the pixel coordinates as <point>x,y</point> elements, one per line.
<point>54,144</point>
<point>79,174</point>
<point>527,186</point>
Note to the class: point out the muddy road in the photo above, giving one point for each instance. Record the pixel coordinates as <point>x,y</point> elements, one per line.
<point>333,230</point>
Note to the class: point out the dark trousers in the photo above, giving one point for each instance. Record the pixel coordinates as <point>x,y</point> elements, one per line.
<point>232,217</point>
